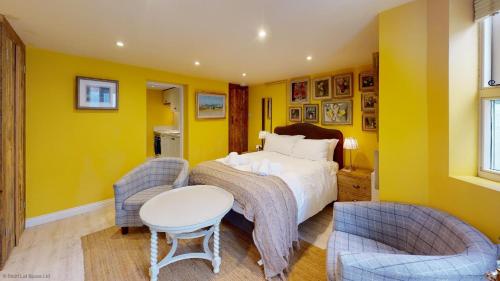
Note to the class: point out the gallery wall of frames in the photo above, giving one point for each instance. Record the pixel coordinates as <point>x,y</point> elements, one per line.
<point>328,99</point>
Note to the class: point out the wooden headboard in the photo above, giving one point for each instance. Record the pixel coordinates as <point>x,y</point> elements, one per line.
<point>314,132</point>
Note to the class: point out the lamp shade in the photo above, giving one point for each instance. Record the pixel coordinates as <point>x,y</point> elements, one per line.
<point>350,143</point>
<point>262,135</point>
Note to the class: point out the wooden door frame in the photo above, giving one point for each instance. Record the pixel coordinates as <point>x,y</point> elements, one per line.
<point>237,87</point>
<point>12,71</point>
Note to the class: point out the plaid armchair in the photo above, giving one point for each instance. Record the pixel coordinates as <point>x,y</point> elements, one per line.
<point>143,183</point>
<point>390,241</point>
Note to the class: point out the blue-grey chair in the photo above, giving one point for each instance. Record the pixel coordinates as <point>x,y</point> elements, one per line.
<point>389,241</point>
<point>143,183</point>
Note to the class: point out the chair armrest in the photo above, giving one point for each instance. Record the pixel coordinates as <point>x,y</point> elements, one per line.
<point>381,221</point>
<point>183,177</point>
<point>169,171</point>
<point>374,266</point>
<point>358,213</point>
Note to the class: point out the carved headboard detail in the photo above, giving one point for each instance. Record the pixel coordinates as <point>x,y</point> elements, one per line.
<point>314,132</point>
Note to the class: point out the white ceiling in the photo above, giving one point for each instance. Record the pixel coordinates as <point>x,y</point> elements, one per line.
<point>222,34</point>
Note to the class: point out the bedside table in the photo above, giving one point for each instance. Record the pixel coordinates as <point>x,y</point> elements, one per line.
<point>354,185</point>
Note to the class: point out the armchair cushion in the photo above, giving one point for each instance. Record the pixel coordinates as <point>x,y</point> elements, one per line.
<point>395,267</point>
<point>135,201</point>
<point>342,242</point>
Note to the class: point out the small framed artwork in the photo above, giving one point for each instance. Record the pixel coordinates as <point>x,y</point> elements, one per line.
<point>299,90</point>
<point>342,86</point>
<point>368,102</point>
<point>295,114</point>
<point>94,93</point>
<point>210,105</point>
<point>311,113</point>
<point>370,122</point>
<point>366,81</point>
<point>322,88</point>
<point>337,112</point>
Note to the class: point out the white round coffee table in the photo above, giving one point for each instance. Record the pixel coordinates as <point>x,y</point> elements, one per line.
<point>186,213</point>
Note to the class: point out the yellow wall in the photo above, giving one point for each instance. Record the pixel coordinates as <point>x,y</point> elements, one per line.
<point>73,157</point>
<point>157,114</point>
<point>435,43</point>
<point>463,98</point>
<point>363,157</point>
<point>403,103</point>
<point>275,91</point>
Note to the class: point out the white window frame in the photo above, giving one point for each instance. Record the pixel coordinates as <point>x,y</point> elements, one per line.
<point>486,93</point>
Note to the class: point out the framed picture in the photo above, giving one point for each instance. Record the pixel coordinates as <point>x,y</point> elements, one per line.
<point>370,122</point>
<point>322,88</point>
<point>210,105</point>
<point>368,102</point>
<point>299,90</point>
<point>94,93</point>
<point>366,81</point>
<point>295,114</point>
<point>311,113</point>
<point>342,86</point>
<point>337,112</point>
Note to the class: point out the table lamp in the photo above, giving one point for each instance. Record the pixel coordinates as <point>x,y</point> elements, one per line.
<point>350,144</point>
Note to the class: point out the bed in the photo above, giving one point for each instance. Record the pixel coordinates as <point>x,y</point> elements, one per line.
<point>313,183</point>
<point>273,206</point>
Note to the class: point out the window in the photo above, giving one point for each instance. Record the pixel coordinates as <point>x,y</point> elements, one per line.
<point>489,92</point>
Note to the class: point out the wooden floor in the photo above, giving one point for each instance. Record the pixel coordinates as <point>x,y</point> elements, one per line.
<point>54,250</point>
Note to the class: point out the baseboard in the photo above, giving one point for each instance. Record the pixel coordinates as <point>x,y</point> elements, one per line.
<point>68,213</point>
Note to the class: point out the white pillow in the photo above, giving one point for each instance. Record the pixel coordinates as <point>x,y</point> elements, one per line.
<point>281,143</point>
<point>315,150</point>
<point>331,148</point>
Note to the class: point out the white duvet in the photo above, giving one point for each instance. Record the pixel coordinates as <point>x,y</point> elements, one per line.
<point>313,183</point>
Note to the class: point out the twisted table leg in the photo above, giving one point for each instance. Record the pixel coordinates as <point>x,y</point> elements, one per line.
<point>153,272</point>
<point>216,260</point>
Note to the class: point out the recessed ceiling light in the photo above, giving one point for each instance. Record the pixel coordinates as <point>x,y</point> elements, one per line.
<point>120,44</point>
<point>262,34</point>
<point>243,74</point>
<point>197,63</point>
<point>309,58</point>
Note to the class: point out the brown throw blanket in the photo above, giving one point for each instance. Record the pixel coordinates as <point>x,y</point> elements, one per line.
<point>267,201</point>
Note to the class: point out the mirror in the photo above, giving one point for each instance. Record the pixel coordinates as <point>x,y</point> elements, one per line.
<point>267,114</point>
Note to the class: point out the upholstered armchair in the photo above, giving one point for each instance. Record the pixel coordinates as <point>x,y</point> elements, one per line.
<point>143,183</point>
<point>389,241</point>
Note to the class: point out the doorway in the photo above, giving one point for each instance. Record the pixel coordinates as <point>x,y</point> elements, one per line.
<point>164,120</point>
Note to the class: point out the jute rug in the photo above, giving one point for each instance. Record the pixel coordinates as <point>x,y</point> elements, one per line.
<point>109,255</point>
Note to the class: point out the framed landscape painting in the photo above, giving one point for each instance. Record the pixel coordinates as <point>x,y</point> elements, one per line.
<point>342,86</point>
<point>370,122</point>
<point>94,93</point>
<point>295,114</point>
<point>322,88</point>
<point>299,90</point>
<point>210,105</point>
<point>337,112</point>
<point>311,113</point>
